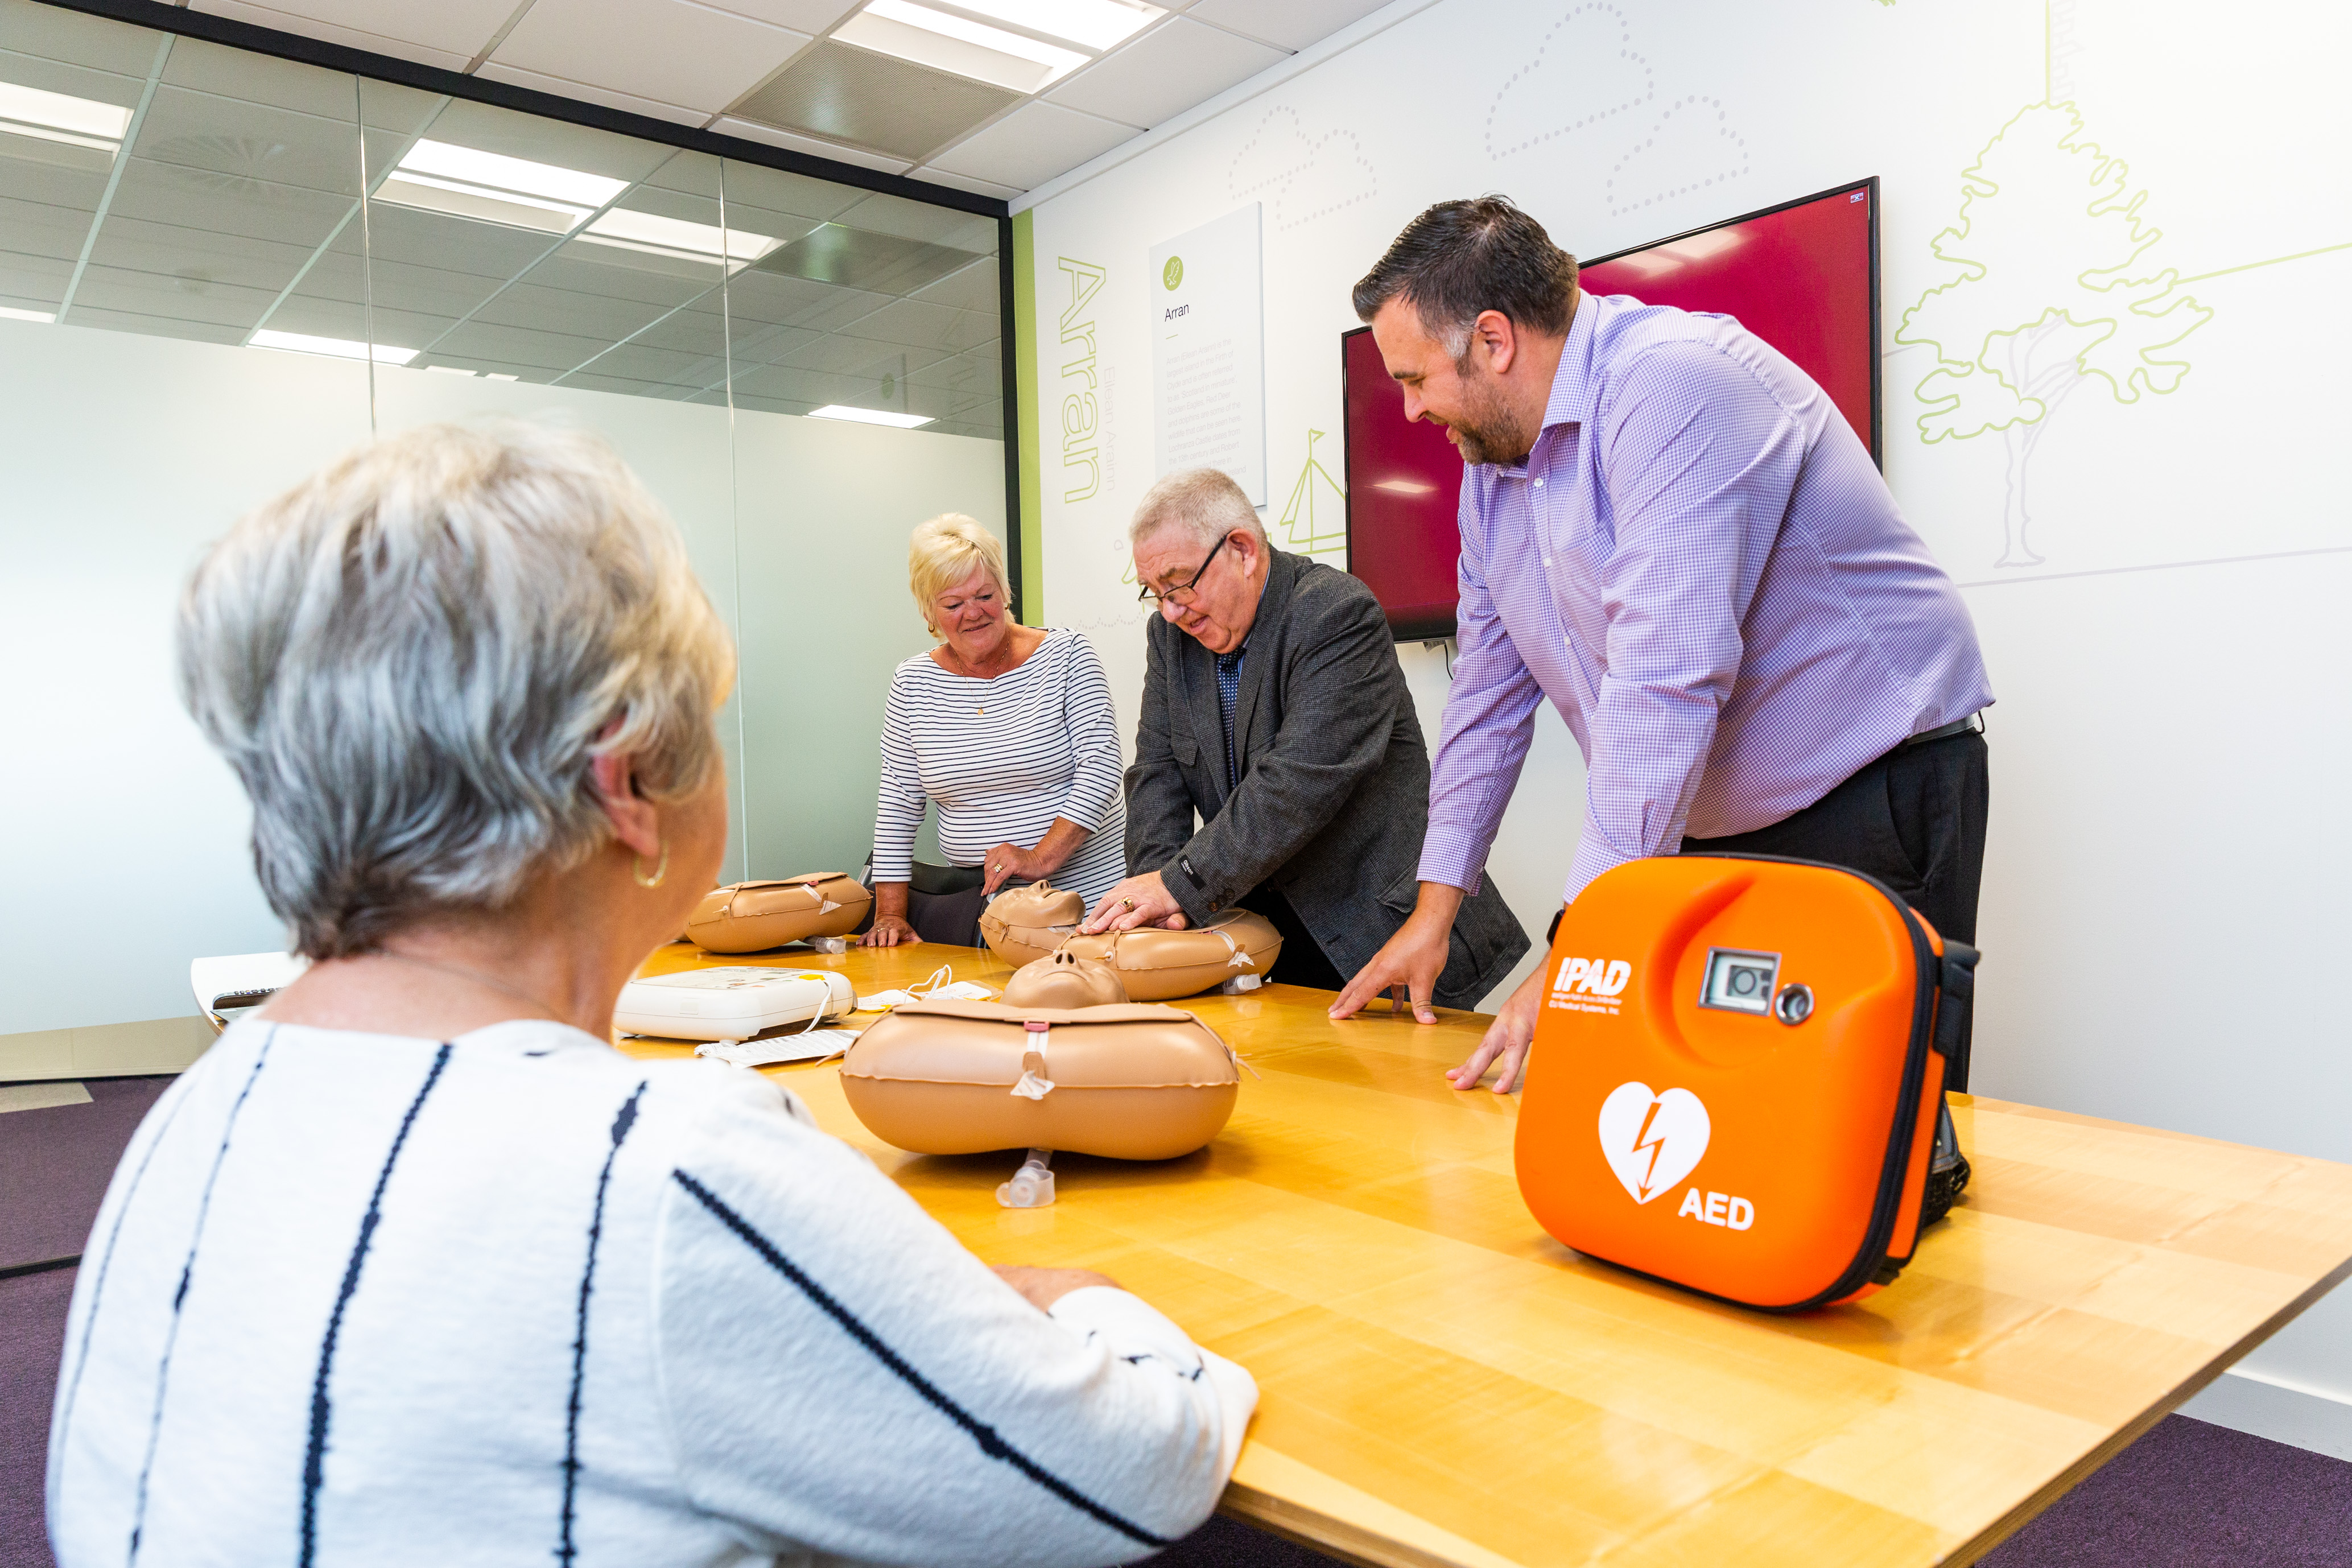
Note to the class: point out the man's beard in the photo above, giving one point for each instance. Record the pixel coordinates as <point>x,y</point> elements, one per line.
<point>1489,431</point>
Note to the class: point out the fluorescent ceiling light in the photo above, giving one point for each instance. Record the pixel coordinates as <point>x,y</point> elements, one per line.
<point>499,376</point>
<point>470,201</point>
<point>1404,487</point>
<point>440,177</point>
<point>869,416</point>
<point>16,315</point>
<point>54,117</point>
<point>674,237</point>
<point>449,369</point>
<point>336,348</point>
<point>477,168</point>
<point>1097,24</point>
<point>958,44</point>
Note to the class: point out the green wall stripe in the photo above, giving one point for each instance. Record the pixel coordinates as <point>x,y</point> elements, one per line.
<point>1025,365</point>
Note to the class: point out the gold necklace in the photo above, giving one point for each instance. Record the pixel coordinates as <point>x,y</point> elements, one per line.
<point>478,978</point>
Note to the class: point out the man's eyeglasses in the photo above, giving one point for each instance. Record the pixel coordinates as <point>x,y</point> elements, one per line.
<point>1181,594</point>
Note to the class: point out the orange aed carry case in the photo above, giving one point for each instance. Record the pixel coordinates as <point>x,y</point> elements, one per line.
<point>1737,1076</point>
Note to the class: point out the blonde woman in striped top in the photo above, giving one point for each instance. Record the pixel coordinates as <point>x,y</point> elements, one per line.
<point>1007,730</point>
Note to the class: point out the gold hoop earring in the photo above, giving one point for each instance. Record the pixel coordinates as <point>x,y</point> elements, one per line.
<point>638,867</point>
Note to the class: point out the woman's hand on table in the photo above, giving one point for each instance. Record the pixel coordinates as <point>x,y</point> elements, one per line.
<point>1507,1039</point>
<point>1040,1288</point>
<point>1139,902</point>
<point>890,930</point>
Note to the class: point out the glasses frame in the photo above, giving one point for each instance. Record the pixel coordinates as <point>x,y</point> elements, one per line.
<point>1181,594</point>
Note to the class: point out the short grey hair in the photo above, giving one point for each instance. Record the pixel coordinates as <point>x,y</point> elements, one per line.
<point>412,658</point>
<point>1205,502</point>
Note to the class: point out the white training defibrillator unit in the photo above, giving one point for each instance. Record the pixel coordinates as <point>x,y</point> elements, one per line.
<point>732,1003</point>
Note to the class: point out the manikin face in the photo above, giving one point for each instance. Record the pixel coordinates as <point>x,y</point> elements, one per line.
<point>1222,604</point>
<point>970,615</point>
<point>1465,398</point>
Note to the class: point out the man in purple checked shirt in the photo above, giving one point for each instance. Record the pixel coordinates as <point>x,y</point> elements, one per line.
<point>1670,532</point>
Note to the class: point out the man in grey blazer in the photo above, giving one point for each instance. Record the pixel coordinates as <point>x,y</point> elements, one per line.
<point>1274,709</point>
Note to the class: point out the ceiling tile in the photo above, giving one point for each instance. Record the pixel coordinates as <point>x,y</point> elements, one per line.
<point>872,100</point>
<point>488,127</point>
<point>859,358</point>
<point>1033,144</point>
<point>517,346</point>
<point>50,33</point>
<point>768,201</point>
<point>665,50</point>
<point>677,114</point>
<point>807,15</point>
<point>158,326</point>
<point>919,324</point>
<point>1286,24</point>
<point>966,183</point>
<point>223,142</point>
<point>753,130</point>
<point>184,298</point>
<point>452,29</point>
<point>885,213</point>
<point>44,229</point>
<point>973,288</point>
<point>1165,72</point>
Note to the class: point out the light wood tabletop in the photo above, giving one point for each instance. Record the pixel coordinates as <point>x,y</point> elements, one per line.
<point>1444,1383</point>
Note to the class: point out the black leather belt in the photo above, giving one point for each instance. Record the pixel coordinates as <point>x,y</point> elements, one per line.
<point>1972,725</point>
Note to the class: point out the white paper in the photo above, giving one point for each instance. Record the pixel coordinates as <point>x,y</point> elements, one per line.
<point>958,991</point>
<point>801,1045</point>
<point>1208,352</point>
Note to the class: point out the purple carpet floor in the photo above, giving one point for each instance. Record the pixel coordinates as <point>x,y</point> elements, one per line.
<point>55,1163</point>
<point>2188,1495</point>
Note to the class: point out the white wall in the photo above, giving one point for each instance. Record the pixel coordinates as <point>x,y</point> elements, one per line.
<point>2160,919</point>
<point>121,456</point>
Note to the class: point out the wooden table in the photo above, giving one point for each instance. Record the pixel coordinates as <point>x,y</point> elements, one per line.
<point>1444,1383</point>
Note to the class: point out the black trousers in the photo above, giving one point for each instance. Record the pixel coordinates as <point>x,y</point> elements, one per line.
<point>1915,819</point>
<point>1302,961</point>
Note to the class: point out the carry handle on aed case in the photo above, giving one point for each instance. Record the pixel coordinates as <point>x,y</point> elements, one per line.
<point>1738,1076</point>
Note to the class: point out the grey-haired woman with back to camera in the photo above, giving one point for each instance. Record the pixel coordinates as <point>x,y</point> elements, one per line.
<point>412,1266</point>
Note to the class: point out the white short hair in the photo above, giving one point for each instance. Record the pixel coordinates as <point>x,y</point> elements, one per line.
<point>1204,502</point>
<point>412,658</point>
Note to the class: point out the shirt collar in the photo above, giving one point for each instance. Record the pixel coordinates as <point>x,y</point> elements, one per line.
<point>1570,402</point>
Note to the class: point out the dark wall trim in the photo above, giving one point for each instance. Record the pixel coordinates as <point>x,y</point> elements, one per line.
<point>1007,286</point>
<point>433,78</point>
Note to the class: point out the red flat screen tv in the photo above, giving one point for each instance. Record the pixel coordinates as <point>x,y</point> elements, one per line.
<point>1803,276</point>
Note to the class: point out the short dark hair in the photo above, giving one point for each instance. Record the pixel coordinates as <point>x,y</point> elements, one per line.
<point>1462,258</point>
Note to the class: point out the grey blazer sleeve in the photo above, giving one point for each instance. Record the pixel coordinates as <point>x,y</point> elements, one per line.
<point>1160,808</point>
<point>1334,733</point>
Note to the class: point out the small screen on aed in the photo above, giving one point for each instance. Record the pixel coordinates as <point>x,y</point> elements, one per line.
<point>1802,277</point>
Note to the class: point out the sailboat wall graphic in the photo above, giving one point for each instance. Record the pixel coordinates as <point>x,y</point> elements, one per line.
<point>1315,519</point>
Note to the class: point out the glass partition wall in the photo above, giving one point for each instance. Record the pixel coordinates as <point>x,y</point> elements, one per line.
<point>218,268</point>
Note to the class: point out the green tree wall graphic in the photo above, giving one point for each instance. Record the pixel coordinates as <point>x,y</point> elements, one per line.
<point>2052,294</point>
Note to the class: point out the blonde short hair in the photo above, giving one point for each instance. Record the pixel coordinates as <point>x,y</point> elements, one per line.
<point>942,553</point>
<point>412,659</point>
<point>1205,503</point>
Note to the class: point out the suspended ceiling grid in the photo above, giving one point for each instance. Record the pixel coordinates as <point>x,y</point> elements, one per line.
<point>779,71</point>
<point>236,208</point>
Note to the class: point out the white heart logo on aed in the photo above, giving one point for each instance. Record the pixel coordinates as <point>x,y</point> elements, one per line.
<point>1651,1140</point>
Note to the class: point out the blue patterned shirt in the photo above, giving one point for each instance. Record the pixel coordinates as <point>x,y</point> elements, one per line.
<point>1700,568</point>
<point>1229,694</point>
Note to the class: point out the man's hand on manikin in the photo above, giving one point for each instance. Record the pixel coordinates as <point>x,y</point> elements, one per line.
<point>1408,964</point>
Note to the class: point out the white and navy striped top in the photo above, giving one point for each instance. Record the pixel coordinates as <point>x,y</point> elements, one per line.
<point>1001,759</point>
<point>355,1300</point>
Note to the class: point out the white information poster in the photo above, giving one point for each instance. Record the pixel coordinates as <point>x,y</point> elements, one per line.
<point>1208,352</point>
